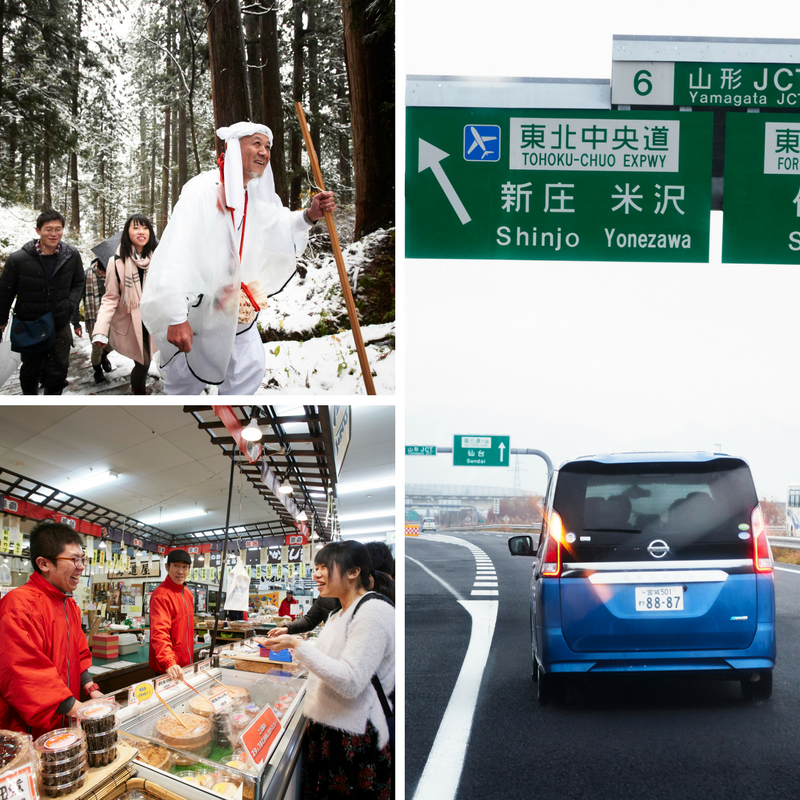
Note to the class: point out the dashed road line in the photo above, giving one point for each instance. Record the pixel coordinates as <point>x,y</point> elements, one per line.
<point>442,772</point>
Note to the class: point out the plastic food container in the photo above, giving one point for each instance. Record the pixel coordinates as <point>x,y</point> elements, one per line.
<point>101,758</point>
<point>102,741</point>
<point>64,764</point>
<point>16,750</point>
<point>67,776</point>
<point>60,745</point>
<point>190,776</point>
<point>98,716</point>
<point>63,789</point>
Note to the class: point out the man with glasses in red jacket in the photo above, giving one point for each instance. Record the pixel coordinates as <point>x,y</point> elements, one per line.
<point>44,667</point>
<point>172,619</point>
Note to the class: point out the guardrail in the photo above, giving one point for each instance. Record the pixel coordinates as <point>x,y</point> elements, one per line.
<point>789,542</point>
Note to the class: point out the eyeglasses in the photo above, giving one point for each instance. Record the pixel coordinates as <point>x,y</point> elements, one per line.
<point>78,562</point>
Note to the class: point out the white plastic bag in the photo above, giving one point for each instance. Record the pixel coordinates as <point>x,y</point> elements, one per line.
<point>9,361</point>
<point>5,575</point>
<point>238,588</point>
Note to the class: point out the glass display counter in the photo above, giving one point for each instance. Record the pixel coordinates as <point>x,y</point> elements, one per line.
<point>206,748</point>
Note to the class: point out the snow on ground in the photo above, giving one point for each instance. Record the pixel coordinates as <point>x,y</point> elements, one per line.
<point>330,364</point>
<point>304,301</point>
<point>327,364</point>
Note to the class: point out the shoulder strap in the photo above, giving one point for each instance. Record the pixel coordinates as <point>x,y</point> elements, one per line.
<point>387,709</point>
<point>371,596</point>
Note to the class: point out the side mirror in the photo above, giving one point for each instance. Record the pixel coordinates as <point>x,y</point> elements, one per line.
<point>521,546</point>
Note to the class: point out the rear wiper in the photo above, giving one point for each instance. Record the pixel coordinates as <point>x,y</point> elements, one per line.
<point>613,530</point>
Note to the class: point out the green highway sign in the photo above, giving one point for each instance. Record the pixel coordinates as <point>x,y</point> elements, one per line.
<point>571,185</point>
<point>480,451</point>
<point>420,450</point>
<point>761,218</point>
<point>684,83</point>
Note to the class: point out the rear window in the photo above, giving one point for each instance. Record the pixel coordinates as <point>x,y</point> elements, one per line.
<point>615,510</point>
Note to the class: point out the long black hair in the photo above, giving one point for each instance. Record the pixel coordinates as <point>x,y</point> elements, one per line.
<point>349,555</point>
<point>126,247</point>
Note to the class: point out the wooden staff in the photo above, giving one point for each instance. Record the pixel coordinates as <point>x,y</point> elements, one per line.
<point>212,677</point>
<point>366,371</point>
<point>170,710</point>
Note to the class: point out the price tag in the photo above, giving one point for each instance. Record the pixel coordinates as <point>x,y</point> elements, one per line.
<point>140,693</point>
<point>164,682</point>
<point>19,784</point>
<point>188,672</point>
<point>204,664</point>
<point>220,700</point>
<point>262,734</point>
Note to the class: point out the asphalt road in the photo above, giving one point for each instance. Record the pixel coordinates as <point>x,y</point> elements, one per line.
<point>649,739</point>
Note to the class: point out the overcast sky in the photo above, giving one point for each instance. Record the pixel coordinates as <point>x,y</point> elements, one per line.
<point>576,358</point>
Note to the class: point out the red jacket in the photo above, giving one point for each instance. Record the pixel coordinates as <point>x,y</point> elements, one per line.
<point>45,652</point>
<point>284,611</point>
<point>171,626</point>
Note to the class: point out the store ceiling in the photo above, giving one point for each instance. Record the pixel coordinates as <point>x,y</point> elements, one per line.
<point>168,463</point>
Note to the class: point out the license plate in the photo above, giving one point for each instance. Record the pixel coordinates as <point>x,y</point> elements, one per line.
<point>659,598</point>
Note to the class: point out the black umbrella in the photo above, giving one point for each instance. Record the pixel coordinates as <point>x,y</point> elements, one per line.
<point>105,250</point>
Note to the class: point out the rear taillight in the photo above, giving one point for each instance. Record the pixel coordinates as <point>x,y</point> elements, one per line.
<point>551,563</point>
<point>762,555</point>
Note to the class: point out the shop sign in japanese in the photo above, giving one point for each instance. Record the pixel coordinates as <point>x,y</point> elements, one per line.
<point>761,217</point>
<point>220,700</point>
<point>558,185</point>
<point>261,735</point>
<point>18,784</point>
<point>140,693</point>
<point>705,84</point>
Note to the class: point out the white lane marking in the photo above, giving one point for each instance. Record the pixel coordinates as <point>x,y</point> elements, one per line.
<point>786,569</point>
<point>434,575</point>
<point>442,771</point>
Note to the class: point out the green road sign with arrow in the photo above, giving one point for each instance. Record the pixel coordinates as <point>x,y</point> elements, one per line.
<point>480,451</point>
<point>557,185</point>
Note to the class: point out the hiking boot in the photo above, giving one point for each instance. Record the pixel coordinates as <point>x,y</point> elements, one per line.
<point>105,363</point>
<point>98,375</point>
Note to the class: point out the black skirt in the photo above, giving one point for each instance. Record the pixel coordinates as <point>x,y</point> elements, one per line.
<point>338,764</point>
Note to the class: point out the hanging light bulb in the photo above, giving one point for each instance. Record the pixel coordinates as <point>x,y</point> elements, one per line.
<point>252,433</point>
<point>285,487</point>
<point>302,516</point>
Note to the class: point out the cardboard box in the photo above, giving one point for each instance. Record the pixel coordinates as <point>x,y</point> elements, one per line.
<point>105,646</point>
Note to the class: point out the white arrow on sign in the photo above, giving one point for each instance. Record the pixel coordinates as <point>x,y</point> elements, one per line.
<point>502,450</point>
<point>429,157</point>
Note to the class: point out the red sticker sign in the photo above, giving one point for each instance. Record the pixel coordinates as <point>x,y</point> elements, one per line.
<point>261,735</point>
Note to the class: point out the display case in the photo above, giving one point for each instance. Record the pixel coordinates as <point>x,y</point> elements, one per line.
<point>201,751</point>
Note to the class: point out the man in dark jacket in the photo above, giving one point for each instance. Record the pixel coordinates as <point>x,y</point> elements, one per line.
<point>45,275</point>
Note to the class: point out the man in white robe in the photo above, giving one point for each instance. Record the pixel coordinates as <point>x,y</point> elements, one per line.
<point>225,232</point>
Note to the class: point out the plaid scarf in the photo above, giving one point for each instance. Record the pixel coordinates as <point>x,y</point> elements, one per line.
<point>37,245</point>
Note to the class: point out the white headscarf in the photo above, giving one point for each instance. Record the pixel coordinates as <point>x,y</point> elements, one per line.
<point>261,188</point>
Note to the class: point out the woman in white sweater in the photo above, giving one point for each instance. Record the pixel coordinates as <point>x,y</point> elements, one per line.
<point>347,744</point>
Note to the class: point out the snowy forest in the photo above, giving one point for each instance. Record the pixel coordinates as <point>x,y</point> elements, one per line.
<point>108,108</point>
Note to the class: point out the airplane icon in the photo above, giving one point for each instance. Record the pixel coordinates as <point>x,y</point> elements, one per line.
<point>477,142</point>
<point>480,141</point>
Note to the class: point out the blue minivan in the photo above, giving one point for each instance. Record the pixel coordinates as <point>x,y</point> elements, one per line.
<point>651,562</point>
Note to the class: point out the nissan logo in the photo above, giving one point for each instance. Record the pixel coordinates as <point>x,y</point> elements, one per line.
<point>658,548</point>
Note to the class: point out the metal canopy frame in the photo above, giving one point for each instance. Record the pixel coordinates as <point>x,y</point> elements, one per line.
<point>305,458</point>
<point>20,487</point>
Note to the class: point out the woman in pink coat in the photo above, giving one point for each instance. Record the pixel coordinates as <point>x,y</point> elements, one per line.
<point>119,321</point>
